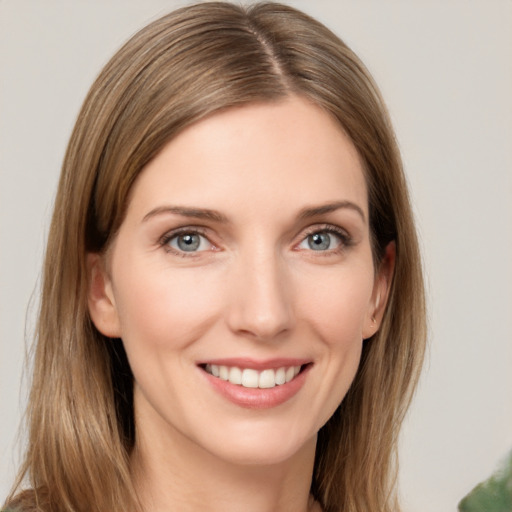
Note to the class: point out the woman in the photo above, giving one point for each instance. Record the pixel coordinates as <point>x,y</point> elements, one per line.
<point>232,309</point>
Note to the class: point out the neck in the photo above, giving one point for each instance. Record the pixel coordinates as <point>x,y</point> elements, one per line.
<point>174,473</point>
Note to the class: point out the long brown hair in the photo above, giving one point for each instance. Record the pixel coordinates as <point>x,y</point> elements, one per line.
<point>187,65</point>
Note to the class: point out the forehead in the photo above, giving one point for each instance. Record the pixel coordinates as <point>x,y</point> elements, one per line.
<point>288,153</point>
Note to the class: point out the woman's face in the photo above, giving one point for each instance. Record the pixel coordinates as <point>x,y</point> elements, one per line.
<point>244,255</point>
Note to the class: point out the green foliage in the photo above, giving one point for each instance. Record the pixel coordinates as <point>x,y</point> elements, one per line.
<point>493,495</point>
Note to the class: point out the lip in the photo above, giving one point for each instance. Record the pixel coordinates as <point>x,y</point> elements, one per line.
<point>259,365</point>
<point>257,398</point>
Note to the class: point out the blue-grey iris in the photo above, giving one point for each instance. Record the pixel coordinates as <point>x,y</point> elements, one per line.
<point>189,242</point>
<point>319,241</point>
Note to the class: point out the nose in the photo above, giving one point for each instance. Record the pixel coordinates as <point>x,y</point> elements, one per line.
<point>261,297</point>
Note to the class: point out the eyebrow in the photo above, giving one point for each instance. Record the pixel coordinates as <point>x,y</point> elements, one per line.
<point>315,211</point>
<point>216,216</point>
<point>196,213</point>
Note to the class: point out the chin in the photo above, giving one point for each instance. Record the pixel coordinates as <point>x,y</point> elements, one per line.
<point>260,446</point>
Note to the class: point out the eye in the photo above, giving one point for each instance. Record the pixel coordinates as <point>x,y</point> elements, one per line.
<point>323,240</point>
<point>189,241</point>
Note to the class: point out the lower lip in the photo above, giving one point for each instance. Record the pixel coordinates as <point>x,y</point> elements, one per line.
<point>258,398</point>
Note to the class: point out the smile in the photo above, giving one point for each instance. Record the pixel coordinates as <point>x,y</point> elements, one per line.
<point>251,378</point>
<point>256,384</point>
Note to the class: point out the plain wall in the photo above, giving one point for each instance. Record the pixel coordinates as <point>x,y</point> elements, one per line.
<point>445,70</point>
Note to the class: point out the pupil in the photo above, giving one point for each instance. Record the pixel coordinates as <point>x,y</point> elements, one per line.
<point>319,241</point>
<point>188,242</point>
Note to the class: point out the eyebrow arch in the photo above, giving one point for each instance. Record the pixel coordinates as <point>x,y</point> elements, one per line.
<point>314,211</point>
<point>196,213</point>
<point>214,215</point>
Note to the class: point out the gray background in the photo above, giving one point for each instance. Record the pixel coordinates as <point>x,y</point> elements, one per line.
<point>445,69</point>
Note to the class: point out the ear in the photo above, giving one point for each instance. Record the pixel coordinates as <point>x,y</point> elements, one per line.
<point>101,302</point>
<point>381,288</point>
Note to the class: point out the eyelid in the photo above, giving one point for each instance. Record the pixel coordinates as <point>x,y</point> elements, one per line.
<point>345,237</point>
<point>164,240</point>
<point>325,227</point>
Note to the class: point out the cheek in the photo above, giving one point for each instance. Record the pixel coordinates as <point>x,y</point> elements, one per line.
<point>337,311</point>
<point>338,305</point>
<point>162,308</point>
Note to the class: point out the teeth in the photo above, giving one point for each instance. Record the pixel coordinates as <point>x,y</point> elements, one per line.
<point>267,379</point>
<point>224,372</point>
<point>249,378</point>
<point>280,376</point>
<point>235,375</point>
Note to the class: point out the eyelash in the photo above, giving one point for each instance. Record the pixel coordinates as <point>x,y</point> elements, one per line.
<point>346,240</point>
<point>187,230</point>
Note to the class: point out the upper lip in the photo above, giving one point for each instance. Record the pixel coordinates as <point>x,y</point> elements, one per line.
<point>257,364</point>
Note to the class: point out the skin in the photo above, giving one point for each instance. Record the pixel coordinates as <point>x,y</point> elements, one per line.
<point>254,288</point>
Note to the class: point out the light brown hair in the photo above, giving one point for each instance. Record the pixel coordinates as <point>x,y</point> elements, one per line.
<point>181,68</point>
